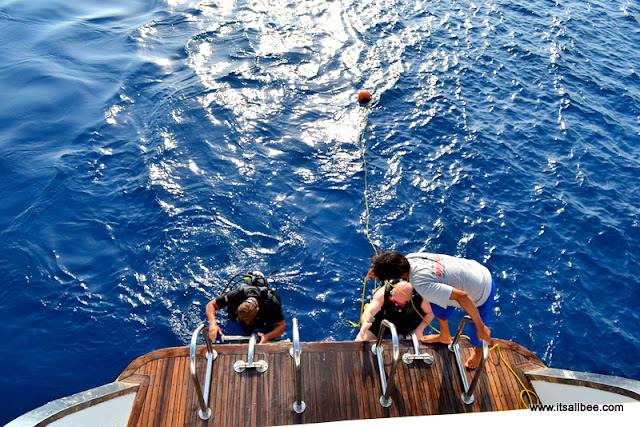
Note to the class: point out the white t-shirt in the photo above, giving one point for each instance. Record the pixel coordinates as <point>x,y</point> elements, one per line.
<point>434,277</point>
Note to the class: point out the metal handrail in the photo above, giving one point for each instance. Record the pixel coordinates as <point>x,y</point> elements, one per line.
<point>408,358</point>
<point>203,399</point>
<point>298,405</point>
<point>387,387</point>
<point>260,365</point>
<point>224,338</point>
<point>467,395</point>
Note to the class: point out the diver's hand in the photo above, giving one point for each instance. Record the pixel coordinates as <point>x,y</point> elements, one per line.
<point>365,327</point>
<point>484,333</point>
<point>419,331</point>
<point>214,330</point>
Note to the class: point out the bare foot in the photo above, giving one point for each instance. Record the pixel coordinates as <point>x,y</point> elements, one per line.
<point>474,360</point>
<point>430,339</point>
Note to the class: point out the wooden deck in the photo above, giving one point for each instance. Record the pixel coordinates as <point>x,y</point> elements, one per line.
<point>340,382</point>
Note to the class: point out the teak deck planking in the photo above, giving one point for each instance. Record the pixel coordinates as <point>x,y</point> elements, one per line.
<point>340,382</point>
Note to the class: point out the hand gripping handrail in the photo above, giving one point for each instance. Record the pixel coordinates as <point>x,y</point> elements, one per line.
<point>467,395</point>
<point>298,406</point>
<point>203,400</point>
<point>387,387</point>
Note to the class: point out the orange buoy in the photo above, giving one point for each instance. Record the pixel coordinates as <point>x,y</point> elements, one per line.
<point>364,97</point>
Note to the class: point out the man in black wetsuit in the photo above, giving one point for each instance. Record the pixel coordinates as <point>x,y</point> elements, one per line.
<point>400,305</point>
<point>254,305</point>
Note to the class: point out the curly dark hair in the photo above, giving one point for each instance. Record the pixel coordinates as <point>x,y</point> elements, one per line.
<point>388,265</point>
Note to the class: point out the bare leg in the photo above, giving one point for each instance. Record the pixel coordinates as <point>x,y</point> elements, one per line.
<point>443,337</point>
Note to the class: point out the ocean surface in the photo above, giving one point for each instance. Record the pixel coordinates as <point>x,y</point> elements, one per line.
<point>150,150</point>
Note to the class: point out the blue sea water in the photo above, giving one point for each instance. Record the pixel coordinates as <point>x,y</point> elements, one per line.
<point>150,150</point>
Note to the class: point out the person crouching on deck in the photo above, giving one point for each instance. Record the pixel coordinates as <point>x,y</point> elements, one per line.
<point>447,282</point>
<point>400,305</point>
<point>254,305</point>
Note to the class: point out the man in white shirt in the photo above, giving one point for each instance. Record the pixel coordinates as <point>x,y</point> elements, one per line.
<point>447,282</point>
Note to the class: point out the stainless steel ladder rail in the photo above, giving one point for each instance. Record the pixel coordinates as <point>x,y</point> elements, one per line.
<point>408,358</point>
<point>203,399</point>
<point>387,382</point>
<point>298,405</point>
<point>241,366</point>
<point>467,395</point>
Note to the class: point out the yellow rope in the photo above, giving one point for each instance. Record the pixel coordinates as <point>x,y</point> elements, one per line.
<point>413,305</point>
<point>529,393</point>
<point>526,391</point>
<point>366,183</point>
<point>364,290</point>
<point>368,223</point>
<point>366,209</point>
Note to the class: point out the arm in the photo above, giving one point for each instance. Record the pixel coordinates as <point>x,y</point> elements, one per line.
<point>279,329</point>
<point>374,307</point>
<point>428,316</point>
<point>462,298</point>
<point>214,329</point>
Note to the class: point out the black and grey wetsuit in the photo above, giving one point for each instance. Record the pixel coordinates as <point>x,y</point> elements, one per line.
<point>270,311</point>
<point>405,319</point>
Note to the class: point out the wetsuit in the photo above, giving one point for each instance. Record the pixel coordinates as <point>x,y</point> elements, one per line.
<point>270,307</point>
<point>405,319</point>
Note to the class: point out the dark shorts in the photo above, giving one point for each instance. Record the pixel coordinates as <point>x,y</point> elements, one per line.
<point>485,310</point>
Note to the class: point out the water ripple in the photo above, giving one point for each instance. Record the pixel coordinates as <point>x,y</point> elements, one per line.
<point>151,152</point>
